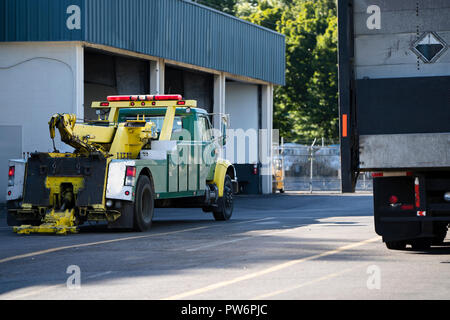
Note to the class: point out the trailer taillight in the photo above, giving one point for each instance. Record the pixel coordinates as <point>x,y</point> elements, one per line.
<point>392,174</point>
<point>377,174</point>
<point>11,172</point>
<point>393,200</point>
<point>130,176</point>
<point>255,169</point>
<point>417,192</point>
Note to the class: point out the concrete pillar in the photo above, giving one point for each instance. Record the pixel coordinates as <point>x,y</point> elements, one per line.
<point>219,105</point>
<point>79,82</point>
<point>157,76</point>
<point>219,98</point>
<point>266,137</point>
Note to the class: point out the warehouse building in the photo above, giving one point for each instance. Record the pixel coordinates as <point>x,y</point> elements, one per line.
<point>57,56</point>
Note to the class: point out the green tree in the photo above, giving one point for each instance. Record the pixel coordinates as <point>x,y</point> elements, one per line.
<point>226,6</point>
<point>307,106</point>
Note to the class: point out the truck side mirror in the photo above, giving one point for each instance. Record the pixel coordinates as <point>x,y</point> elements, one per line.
<point>224,129</point>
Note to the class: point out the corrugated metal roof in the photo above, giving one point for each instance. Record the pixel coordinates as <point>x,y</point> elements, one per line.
<point>172,29</point>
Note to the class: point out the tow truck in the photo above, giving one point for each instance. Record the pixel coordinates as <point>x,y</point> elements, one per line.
<point>143,151</point>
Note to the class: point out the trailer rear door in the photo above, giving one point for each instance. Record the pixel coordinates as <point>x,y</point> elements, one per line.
<point>394,85</point>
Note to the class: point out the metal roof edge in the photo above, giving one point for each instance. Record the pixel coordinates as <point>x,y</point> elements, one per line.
<point>232,17</point>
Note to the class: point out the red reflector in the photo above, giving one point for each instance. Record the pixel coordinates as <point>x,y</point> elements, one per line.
<point>377,174</point>
<point>407,207</point>
<point>104,104</point>
<point>131,171</point>
<point>11,171</point>
<point>181,103</point>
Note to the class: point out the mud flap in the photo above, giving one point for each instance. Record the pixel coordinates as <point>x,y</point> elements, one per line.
<point>125,220</point>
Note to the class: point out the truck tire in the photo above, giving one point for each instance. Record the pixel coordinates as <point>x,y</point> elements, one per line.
<point>440,231</point>
<point>144,204</point>
<point>225,203</point>
<point>396,245</point>
<point>421,244</point>
<point>11,219</point>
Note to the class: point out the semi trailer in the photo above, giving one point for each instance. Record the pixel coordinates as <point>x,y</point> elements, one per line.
<point>394,100</point>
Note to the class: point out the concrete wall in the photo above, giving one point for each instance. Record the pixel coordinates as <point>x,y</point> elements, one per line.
<point>36,81</point>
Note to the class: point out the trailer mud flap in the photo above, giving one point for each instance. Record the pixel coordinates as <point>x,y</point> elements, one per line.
<point>394,209</point>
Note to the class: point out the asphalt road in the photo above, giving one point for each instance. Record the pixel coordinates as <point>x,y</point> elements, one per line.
<point>291,246</point>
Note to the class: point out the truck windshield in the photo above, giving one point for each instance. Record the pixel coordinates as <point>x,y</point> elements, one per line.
<point>158,121</point>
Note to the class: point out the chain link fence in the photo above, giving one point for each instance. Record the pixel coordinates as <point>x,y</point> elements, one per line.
<point>315,167</point>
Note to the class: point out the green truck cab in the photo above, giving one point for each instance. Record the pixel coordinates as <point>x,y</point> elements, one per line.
<point>149,151</point>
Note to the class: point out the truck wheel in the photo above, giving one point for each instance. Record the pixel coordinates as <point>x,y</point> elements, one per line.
<point>421,244</point>
<point>11,219</point>
<point>440,230</point>
<point>143,204</point>
<point>225,203</point>
<point>396,245</point>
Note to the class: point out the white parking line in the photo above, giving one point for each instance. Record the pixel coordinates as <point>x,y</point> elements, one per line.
<point>89,244</point>
<point>81,245</point>
<point>265,234</point>
<point>263,272</point>
<point>326,277</point>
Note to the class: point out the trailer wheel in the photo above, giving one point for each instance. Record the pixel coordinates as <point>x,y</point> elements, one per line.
<point>441,233</point>
<point>144,204</point>
<point>396,245</point>
<point>421,244</point>
<point>225,203</point>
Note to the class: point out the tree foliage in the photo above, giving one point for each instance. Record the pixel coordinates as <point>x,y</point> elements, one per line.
<point>307,106</point>
<point>227,6</point>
